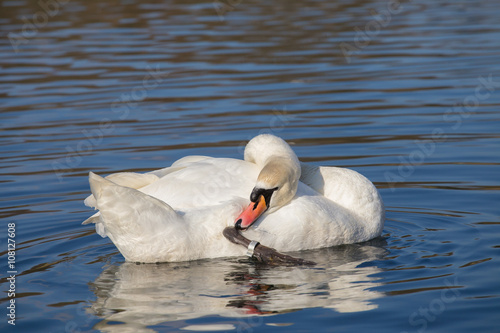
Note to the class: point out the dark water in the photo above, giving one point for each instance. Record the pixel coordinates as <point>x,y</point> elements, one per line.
<point>408,95</point>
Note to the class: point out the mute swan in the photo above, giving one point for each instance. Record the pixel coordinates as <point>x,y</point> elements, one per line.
<point>178,213</point>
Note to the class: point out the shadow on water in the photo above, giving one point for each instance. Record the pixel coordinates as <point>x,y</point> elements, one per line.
<point>135,296</point>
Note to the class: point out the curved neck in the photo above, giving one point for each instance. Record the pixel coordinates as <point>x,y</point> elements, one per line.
<point>262,149</point>
<point>280,167</point>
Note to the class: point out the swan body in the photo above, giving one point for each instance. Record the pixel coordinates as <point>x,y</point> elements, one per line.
<point>178,213</point>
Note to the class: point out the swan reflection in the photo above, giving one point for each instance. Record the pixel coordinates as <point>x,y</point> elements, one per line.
<point>133,296</point>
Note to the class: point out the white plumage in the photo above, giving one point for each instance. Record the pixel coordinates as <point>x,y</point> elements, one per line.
<point>178,213</point>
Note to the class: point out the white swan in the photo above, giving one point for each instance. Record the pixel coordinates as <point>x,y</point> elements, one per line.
<point>178,213</point>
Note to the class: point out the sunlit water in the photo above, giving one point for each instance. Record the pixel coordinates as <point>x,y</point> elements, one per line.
<point>409,96</point>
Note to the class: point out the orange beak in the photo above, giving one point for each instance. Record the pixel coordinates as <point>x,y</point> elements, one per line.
<point>251,213</point>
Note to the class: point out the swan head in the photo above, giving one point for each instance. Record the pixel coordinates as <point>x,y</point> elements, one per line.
<point>278,179</point>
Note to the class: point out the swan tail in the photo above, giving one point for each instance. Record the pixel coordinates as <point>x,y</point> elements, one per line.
<point>128,179</point>
<point>126,212</point>
<point>93,219</point>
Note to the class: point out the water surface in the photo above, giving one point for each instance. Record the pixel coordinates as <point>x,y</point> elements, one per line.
<point>408,96</point>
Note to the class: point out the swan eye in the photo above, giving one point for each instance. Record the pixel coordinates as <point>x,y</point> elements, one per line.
<point>267,193</point>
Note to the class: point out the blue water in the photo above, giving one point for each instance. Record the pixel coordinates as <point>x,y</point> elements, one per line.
<point>407,95</point>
